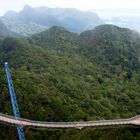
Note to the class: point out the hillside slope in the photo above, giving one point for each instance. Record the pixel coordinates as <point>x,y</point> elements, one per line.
<point>115,47</point>
<point>63,76</point>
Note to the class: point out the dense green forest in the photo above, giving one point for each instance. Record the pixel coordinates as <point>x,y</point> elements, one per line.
<point>62,76</point>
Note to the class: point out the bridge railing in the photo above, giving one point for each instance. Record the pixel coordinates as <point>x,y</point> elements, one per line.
<point>81,122</point>
<point>27,122</point>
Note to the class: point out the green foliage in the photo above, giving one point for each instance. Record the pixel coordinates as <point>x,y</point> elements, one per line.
<point>62,76</point>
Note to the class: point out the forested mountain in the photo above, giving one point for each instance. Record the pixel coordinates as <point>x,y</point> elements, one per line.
<point>62,76</point>
<point>115,47</point>
<point>70,18</point>
<point>3,30</point>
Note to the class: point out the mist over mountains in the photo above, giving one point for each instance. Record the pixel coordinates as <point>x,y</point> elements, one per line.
<point>41,18</point>
<point>3,30</point>
<point>128,18</point>
<point>33,20</point>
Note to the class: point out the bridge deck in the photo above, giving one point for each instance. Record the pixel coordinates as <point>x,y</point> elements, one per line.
<point>101,123</point>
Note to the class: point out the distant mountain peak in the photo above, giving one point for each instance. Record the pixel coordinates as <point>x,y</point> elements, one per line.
<point>27,7</point>
<point>59,28</point>
<point>11,14</point>
<point>70,18</point>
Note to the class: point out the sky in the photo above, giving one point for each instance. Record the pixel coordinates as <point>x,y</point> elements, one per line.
<point>84,5</point>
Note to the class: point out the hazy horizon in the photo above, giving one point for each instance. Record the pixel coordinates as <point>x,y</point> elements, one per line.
<point>85,5</point>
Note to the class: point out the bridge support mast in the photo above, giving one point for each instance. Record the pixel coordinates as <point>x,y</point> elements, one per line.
<point>14,101</point>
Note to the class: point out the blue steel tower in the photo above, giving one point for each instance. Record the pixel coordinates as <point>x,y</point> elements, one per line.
<point>14,101</point>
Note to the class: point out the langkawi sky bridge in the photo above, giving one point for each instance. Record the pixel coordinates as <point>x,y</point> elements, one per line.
<point>21,123</point>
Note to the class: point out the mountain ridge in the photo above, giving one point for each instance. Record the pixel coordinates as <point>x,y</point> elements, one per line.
<point>70,18</point>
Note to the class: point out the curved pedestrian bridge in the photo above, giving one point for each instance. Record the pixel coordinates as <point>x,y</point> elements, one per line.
<point>134,121</point>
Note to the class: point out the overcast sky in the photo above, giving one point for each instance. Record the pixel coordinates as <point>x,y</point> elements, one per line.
<point>17,5</point>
